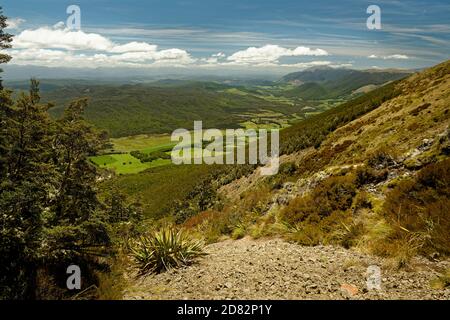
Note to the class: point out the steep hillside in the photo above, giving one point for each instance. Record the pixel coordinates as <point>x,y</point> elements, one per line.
<point>371,174</point>
<point>309,91</point>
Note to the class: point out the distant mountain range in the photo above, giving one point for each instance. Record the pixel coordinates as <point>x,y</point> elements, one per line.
<point>230,76</point>
<point>326,82</point>
<point>18,72</point>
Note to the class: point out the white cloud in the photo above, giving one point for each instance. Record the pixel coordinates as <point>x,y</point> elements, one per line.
<point>214,59</point>
<point>58,46</point>
<point>271,53</point>
<point>134,47</point>
<point>173,54</point>
<point>219,55</point>
<point>56,38</point>
<point>310,64</point>
<point>64,58</point>
<point>304,51</point>
<point>14,23</point>
<point>397,56</point>
<point>304,65</point>
<point>393,56</point>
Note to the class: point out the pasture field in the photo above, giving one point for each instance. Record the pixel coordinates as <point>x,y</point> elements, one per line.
<point>143,142</point>
<point>122,162</point>
<point>125,163</point>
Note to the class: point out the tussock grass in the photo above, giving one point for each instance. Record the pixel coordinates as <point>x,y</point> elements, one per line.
<point>441,282</point>
<point>164,250</point>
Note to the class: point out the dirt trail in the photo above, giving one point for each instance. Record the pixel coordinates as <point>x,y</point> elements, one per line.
<point>275,269</point>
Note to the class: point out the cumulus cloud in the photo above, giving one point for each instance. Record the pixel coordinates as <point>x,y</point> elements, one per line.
<point>269,54</point>
<point>214,59</point>
<point>57,38</point>
<point>134,47</point>
<point>393,56</point>
<point>63,58</point>
<point>14,23</point>
<point>58,46</point>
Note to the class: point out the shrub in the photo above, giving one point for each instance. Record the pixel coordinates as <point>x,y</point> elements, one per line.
<point>164,250</point>
<point>366,175</point>
<point>351,234</point>
<point>239,232</point>
<point>322,215</point>
<point>328,230</point>
<point>419,208</point>
<point>200,218</point>
<point>332,194</point>
<point>380,159</point>
<point>288,168</point>
<point>256,200</point>
<point>442,282</point>
<point>362,201</point>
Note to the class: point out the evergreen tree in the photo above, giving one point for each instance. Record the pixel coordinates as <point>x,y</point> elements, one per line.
<point>24,190</point>
<point>50,216</point>
<point>76,231</point>
<point>5,97</point>
<point>5,42</point>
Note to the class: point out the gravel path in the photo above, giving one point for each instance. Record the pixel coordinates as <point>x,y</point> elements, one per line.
<point>275,269</point>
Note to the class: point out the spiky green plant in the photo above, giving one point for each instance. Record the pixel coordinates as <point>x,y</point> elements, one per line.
<point>164,250</point>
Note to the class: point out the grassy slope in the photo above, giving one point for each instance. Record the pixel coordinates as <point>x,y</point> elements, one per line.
<point>421,111</point>
<point>341,186</point>
<point>312,131</point>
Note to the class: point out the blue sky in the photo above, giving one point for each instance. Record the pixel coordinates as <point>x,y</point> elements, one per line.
<point>218,34</point>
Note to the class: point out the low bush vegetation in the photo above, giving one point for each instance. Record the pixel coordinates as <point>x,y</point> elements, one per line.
<point>443,281</point>
<point>334,194</point>
<point>417,211</point>
<point>366,175</point>
<point>322,215</point>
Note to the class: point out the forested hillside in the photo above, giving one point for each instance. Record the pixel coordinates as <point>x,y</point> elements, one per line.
<point>135,109</point>
<point>328,83</point>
